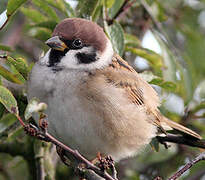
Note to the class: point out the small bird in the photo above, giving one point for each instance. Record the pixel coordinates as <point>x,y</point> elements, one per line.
<point>96,101</point>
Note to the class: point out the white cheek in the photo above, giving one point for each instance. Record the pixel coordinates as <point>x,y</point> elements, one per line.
<point>70,60</point>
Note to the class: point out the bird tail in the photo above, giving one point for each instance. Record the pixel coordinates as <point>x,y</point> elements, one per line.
<point>179,127</point>
<point>187,136</point>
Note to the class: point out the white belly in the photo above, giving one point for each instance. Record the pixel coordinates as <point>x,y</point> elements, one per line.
<point>72,125</point>
<point>68,122</point>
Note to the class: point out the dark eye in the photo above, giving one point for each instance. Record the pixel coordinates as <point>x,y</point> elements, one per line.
<point>77,43</point>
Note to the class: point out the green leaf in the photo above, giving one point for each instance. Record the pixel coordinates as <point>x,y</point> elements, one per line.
<point>155,60</point>
<point>6,121</point>
<point>131,40</point>
<point>58,4</point>
<point>116,35</point>
<point>13,5</point>
<point>20,64</point>
<point>70,9</point>
<point>16,73</point>
<point>167,85</point>
<point>34,105</point>
<point>47,9</point>
<point>109,3</point>
<point>31,107</point>
<point>87,8</point>
<point>42,34</point>
<point>96,14</point>
<point>5,48</point>
<point>199,107</point>
<point>157,81</point>
<point>46,24</point>
<point>8,100</point>
<point>115,8</point>
<point>161,13</point>
<point>33,14</point>
<point>9,76</point>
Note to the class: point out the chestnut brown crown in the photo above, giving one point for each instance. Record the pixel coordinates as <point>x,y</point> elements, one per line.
<point>89,32</point>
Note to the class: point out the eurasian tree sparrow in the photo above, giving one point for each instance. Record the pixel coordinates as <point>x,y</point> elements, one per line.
<point>96,101</point>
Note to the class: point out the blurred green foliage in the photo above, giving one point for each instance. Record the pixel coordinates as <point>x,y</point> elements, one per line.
<point>179,70</point>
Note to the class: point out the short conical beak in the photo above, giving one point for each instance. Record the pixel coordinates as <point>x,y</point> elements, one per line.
<point>56,43</point>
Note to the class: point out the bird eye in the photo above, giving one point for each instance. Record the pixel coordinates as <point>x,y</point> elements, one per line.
<point>77,43</point>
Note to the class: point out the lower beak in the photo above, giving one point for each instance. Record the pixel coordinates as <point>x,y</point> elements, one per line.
<point>56,43</point>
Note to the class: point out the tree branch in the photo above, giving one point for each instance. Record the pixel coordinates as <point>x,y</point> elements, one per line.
<point>42,134</point>
<point>187,166</point>
<point>124,8</point>
<point>78,157</point>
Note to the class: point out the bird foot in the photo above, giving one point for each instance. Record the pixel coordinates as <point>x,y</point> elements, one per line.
<point>34,131</point>
<point>42,122</point>
<point>40,131</point>
<point>103,163</point>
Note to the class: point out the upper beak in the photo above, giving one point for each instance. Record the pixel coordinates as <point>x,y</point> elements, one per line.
<point>56,43</point>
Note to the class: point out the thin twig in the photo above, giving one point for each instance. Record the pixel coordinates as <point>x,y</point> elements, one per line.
<point>166,39</point>
<point>123,9</point>
<point>20,120</point>
<point>187,166</point>
<point>79,157</point>
<point>42,134</point>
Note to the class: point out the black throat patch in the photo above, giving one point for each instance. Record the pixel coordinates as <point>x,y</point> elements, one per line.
<point>55,57</point>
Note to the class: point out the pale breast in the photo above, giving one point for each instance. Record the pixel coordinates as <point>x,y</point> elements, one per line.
<point>90,115</point>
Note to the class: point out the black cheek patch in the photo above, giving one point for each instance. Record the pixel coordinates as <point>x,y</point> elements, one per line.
<point>84,58</point>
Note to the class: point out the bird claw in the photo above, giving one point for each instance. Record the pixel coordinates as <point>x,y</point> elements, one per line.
<point>105,163</point>
<point>34,131</point>
<point>31,129</point>
<point>43,123</point>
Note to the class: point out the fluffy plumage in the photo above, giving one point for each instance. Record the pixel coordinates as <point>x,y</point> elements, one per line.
<point>99,105</point>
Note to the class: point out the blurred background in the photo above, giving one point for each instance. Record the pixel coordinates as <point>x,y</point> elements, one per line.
<point>164,40</point>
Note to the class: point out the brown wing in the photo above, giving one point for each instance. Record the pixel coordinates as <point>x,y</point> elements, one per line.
<point>140,93</point>
<point>122,75</point>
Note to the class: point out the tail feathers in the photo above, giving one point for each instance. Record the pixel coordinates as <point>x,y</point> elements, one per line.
<point>179,139</point>
<point>168,125</point>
